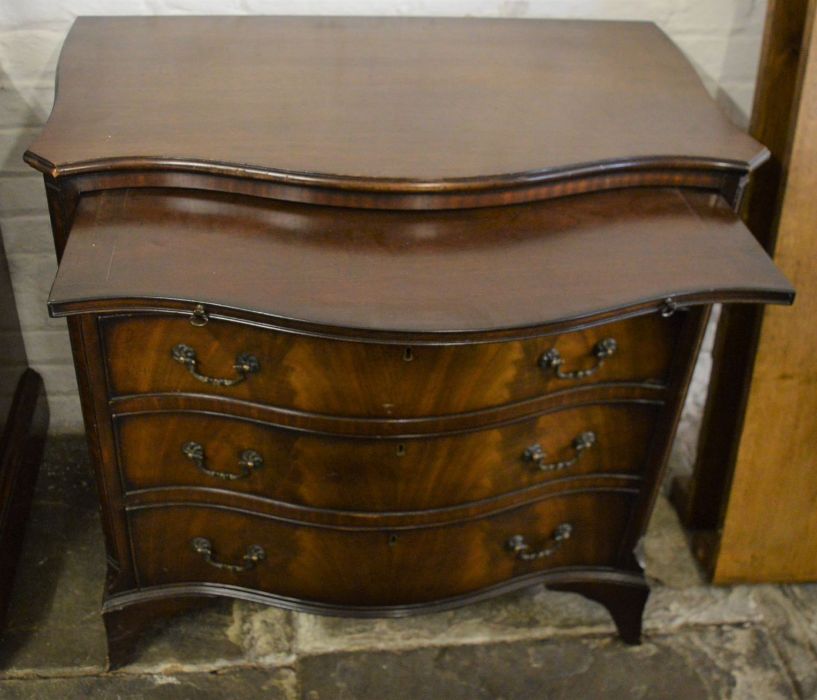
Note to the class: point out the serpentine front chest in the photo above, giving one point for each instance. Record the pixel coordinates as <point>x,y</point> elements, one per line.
<point>382,316</point>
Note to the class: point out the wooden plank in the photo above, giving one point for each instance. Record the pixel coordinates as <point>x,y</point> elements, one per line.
<point>770,527</point>
<point>701,500</point>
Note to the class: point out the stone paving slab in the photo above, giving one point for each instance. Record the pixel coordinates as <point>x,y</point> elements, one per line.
<point>240,683</point>
<point>54,624</point>
<point>792,631</point>
<point>700,664</point>
<point>732,642</point>
<point>195,641</point>
<point>804,598</point>
<point>529,614</point>
<point>53,620</point>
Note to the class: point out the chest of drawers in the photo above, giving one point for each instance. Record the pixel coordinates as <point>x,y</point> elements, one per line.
<point>359,352</point>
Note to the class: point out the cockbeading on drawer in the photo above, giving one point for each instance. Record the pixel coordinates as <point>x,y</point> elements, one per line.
<point>163,354</point>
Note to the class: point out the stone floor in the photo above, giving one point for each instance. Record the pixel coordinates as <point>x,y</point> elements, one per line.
<point>700,641</point>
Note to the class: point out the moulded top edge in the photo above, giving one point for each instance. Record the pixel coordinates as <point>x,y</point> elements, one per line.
<point>383,104</point>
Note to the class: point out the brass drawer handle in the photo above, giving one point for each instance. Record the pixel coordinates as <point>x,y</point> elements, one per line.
<point>523,550</point>
<point>247,461</point>
<point>602,350</point>
<point>580,443</point>
<point>255,554</point>
<point>245,364</point>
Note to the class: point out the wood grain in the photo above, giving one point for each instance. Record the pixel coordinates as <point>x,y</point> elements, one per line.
<point>382,475</point>
<point>457,272</point>
<point>770,525</point>
<point>342,378</point>
<point>378,104</point>
<point>420,426</point>
<point>370,568</point>
<point>701,500</point>
<point>343,196</point>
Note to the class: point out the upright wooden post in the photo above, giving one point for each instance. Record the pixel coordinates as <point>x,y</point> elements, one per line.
<point>753,496</point>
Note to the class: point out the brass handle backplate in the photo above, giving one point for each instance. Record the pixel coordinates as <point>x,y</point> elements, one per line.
<point>553,360</point>
<point>245,364</point>
<point>255,554</point>
<point>248,460</point>
<point>580,443</point>
<point>518,546</point>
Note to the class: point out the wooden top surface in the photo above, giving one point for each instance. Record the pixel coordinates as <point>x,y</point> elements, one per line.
<point>403,105</point>
<point>458,271</point>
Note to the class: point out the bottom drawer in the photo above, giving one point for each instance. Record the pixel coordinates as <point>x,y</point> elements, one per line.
<point>194,543</point>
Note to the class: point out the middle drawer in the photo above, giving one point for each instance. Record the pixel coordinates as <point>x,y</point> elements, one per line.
<point>380,475</point>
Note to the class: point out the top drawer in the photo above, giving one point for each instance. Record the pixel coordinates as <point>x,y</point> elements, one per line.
<point>151,353</point>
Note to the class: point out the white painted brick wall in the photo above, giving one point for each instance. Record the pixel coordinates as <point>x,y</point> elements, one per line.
<point>721,38</point>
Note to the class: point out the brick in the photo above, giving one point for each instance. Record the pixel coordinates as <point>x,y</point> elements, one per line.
<point>62,12</point>
<point>703,17</point>
<point>24,106</point>
<point>24,193</point>
<point>13,143</point>
<point>695,664</point>
<point>711,330</point>
<point>60,380</point>
<point>203,7</point>
<point>66,415</point>
<point>29,233</point>
<point>29,55</point>
<point>31,276</point>
<point>50,346</point>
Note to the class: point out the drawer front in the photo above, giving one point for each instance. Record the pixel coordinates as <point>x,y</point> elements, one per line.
<point>345,378</point>
<point>190,544</point>
<point>185,449</point>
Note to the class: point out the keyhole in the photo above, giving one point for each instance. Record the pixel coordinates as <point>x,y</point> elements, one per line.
<point>392,540</point>
<point>199,317</point>
<point>401,450</point>
<point>408,354</point>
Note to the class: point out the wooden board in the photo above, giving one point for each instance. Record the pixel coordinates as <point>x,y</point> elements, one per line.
<point>769,528</point>
<point>701,498</point>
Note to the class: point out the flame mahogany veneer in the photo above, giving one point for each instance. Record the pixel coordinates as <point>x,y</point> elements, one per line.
<point>344,342</point>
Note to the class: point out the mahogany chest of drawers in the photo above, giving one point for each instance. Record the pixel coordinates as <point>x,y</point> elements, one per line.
<point>376,317</point>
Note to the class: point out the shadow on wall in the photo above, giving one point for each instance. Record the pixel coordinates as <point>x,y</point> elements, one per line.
<point>738,76</point>
<point>735,86</point>
<point>26,94</point>
<point>24,108</point>
<point>23,113</point>
<point>12,352</point>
